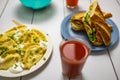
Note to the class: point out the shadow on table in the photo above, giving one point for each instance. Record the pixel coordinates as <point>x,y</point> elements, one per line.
<point>23,14</point>
<point>5,78</point>
<point>38,71</point>
<point>81,77</point>
<point>27,15</point>
<point>44,14</point>
<point>108,50</point>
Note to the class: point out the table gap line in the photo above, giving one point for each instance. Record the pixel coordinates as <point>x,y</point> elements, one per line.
<point>20,77</point>
<point>4,8</point>
<point>112,64</point>
<point>118,2</point>
<point>64,8</point>
<point>90,1</point>
<point>33,17</point>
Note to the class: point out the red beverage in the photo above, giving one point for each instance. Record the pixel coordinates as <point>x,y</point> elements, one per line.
<point>73,57</point>
<point>71,3</point>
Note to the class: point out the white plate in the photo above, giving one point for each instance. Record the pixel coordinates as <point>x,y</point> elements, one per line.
<point>7,73</point>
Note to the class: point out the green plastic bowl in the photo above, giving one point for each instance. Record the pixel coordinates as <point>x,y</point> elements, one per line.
<point>35,4</point>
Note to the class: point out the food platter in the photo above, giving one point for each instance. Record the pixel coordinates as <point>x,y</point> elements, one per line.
<point>69,34</point>
<point>43,60</point>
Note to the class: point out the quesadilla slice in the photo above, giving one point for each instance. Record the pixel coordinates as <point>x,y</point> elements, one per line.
<point>95,25</point>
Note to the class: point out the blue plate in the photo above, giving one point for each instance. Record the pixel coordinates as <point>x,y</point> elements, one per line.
<point>70,34</point>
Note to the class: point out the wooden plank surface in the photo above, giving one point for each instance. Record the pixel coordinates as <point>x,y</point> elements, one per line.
<point>99,66</point>
<point>3,4</point>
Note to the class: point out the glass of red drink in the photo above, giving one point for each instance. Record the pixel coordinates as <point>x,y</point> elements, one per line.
<point>73,57</point>
<point>71,3</point>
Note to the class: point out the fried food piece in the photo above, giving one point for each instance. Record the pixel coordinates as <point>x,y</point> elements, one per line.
<point>95,25</point>
<point>77,23</point>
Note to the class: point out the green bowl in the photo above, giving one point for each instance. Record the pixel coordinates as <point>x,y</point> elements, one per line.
<point>35,4</point>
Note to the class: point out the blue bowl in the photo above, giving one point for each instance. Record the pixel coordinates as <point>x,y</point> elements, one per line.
<point>35,4</point>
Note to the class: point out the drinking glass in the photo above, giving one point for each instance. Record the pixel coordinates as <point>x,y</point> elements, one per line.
<point>73,57</point>
<point>71,3</point>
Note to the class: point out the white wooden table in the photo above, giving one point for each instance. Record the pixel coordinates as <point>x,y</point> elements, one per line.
<point>104,65</point>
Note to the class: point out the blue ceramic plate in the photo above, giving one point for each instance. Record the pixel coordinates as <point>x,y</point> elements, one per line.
<point>70,34</point>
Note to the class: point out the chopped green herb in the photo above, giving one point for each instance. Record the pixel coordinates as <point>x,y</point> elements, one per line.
<point>87,17</point>
<point>35,40</point>
<point>1,52</point>
<point>44,58</point>
<point>92,37</point>
<point>18,50</point>
<point>33,60</point>
<point>15,46</point>
<point>1,35</point>
<point>7,53</point>
<point>1,42</point>
<point>37,51</point>
<point>11,36</point>
<point>23,51</point>
<point>30,57</point>
<point>91,7</point>
<point>15,66</point>
<point>16,59</point>
<point>19,42</point>
<point>3,49</point>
